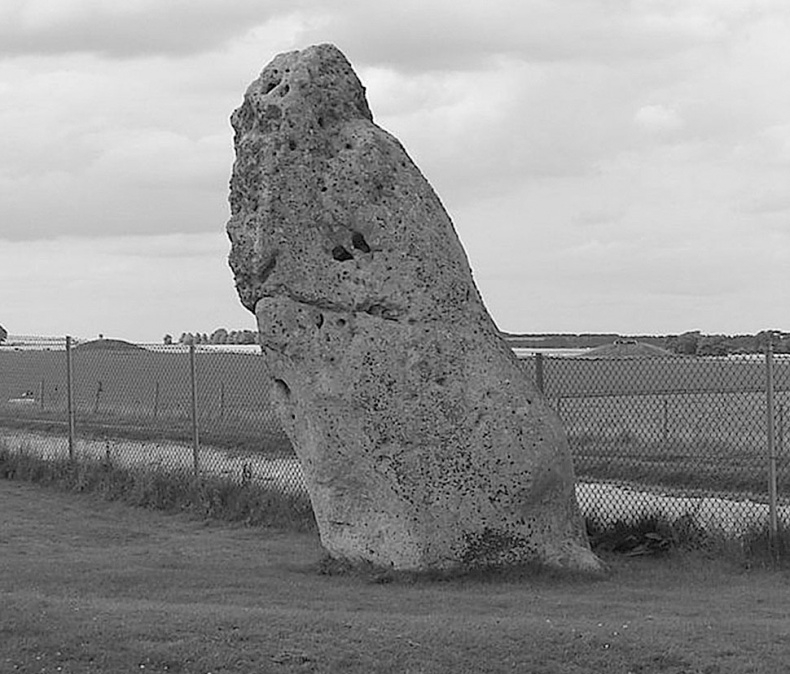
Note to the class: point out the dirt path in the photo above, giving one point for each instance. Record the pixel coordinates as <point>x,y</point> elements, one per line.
<point>90,586</point>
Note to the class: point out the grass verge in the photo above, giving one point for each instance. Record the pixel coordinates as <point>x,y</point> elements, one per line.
<point>250,503</point>
<point>210,497</point>
<point>93,587</point>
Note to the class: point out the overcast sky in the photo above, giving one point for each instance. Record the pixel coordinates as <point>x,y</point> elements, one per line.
<point>609,165</point>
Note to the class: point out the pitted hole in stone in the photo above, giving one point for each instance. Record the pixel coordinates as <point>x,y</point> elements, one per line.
<point>358,241</point>
<point>282,389</point>
<point>341,254</point>
<point>284,91</point>
<point>321,121</point>
<point>341,322</point>
<point>274,83</point>
<point>291,144</point>
<point>319,320</point>
<point>349,146</point>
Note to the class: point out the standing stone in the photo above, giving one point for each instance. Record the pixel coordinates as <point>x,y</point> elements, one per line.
<point>423,443</point>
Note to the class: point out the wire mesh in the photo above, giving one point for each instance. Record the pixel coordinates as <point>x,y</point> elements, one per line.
<point>677,435</point>
<point>680,435</point>
<point>132,405</point>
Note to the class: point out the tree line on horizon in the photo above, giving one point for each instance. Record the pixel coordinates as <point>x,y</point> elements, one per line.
<point>219,336</point>
<point>692,343</point>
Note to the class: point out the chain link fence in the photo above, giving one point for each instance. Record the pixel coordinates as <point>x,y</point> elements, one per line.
<point>679,436</point>
<point>201,409</point>
<point>682,436</point>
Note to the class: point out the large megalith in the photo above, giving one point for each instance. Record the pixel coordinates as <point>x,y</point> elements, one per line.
<point>423,444</point>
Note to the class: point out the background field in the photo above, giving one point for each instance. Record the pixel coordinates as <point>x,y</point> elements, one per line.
<point>681,424</point>
<point>93,587</point>
<point>684,424</point>
<point>145,394</point>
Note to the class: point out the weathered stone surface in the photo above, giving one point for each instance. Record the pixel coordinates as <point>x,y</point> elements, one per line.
<point>423,443</point>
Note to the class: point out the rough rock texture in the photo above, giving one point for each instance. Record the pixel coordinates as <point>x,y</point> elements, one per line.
<point>423,443</point>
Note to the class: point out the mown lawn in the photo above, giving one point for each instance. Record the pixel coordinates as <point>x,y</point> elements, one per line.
<point>92,586</point>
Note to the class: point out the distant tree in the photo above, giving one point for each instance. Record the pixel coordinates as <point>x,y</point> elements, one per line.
<point>3,334</point>
<point>686,343</point>
<point>713,345</point>
<point>743,344</point>
<point>219,336</point>
<point>764,336</point>
<point>168,339</point>
<point>780,341</point>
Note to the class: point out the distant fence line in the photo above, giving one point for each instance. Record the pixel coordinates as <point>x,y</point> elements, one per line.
<point>677,426</point>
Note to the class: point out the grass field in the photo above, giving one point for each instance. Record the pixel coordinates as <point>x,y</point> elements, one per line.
<point>687,441</point>
<point>88,586</point>
<point>679,423</point>
<point>144,394</point>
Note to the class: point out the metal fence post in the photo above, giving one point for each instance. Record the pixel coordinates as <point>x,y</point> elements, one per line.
<point>194,410</point>
<point>770,412</point>
<point>539,371</point>
<point>69,398</point>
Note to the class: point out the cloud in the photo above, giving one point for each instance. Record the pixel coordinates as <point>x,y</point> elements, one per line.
<point>129,28</point>
<point>133,287</point>
<point>486,102</point>
<point>768,203</point>
<point>142,182</point>
<point>412,35</point>
<point>558,134</point>
<point>447,35</point>
<point>658,119</point>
